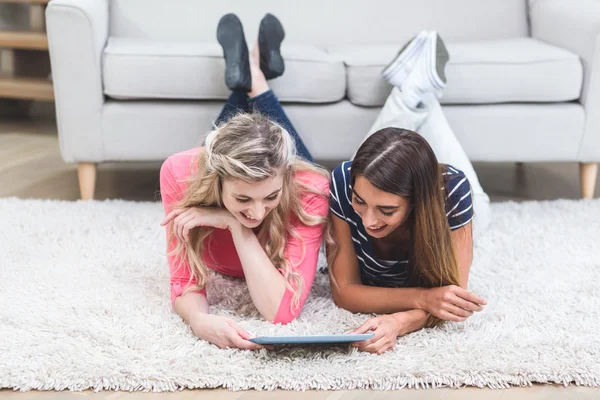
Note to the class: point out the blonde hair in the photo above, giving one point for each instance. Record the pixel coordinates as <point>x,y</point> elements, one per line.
<point>252,148</point>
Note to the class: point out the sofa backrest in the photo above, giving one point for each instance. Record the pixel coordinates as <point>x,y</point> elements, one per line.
<point>323,22</point>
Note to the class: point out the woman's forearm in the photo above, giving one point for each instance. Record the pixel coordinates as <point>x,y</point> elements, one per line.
<point>412,320</point>
<point>380,300</point>
<point>191,305</point>
<point>265,284</point>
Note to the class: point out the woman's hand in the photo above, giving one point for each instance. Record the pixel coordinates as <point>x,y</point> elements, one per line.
<point>452,303</point>
<point>222,332</point>
<point>185,219</point>
<point>386,329</point>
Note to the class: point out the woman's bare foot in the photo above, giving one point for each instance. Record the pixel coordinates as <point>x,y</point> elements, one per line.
<point>259,82</point>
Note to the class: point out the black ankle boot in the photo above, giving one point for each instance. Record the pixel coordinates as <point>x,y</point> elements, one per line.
<point>230,35</point>
<point>270,36</point>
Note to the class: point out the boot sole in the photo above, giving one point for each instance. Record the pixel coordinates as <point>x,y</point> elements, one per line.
<point>441,57</point>
<point>230,35</point>
<point>270,36</point>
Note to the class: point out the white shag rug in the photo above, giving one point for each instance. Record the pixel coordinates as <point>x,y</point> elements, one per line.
<point>84,304</point>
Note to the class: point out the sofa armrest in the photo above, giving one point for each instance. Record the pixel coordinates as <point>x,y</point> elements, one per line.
<point>575,26</point>
<point>77,34</point>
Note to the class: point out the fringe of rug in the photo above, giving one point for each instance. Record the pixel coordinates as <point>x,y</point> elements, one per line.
<point>492,381</point>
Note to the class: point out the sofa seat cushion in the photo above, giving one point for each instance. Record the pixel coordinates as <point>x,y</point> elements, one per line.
<point>149,69</point>
<point>493,71</point>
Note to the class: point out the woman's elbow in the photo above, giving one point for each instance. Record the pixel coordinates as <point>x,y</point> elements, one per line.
<point>283,320</point>
<point>282,314</point>
<point>338,300</point>
<point>342,302</point>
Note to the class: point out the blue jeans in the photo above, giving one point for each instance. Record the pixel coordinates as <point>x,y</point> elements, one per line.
<point>268,105</point>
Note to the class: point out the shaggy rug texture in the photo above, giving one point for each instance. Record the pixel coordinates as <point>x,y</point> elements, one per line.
<point>84,304</point>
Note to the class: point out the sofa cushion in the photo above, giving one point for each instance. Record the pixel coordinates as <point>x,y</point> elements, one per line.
<point>495,71</point>
<point>150,69</point>
<point>153,130</point>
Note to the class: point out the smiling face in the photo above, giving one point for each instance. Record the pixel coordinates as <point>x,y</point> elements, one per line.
<point>251,202</point>
<point>381,212</point>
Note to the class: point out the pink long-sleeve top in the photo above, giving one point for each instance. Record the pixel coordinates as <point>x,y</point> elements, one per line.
<point>220,253</point>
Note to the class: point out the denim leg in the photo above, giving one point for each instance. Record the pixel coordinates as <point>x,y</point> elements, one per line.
<point>268,105</point>
<point>236,103</point>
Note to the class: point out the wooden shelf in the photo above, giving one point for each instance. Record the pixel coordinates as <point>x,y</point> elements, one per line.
<point>26,88</point>
<point>24,40</point>
<point>26,1</point>
<point>25,65</point>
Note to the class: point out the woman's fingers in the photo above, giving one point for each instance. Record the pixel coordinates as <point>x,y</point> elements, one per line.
<point>240,343</point>
<point>459,312</point>
<point>386,348</point>
<point>447,316</point>
<point>172,215</point>
<point>464,304</point>
<point>376,346</point>
<point>176,216</point>
<point>370,323</point>
<point>242,332</point>
<point>189,225</point>
<point>175,226</point>
<point>167,218</point>
<point>245,344</point>
<point>392,345</point>
<point>469,296</point>
<point>241,338</point>
<point>180,222</point>
<point>363,343</point>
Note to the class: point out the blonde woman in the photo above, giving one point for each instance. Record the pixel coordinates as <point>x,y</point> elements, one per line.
<point>244,205</point>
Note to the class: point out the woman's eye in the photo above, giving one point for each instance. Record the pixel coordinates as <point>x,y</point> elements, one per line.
<point>387,214</point>
<point>242,200</point>
<point>271,198</point>
<point>358,202</point>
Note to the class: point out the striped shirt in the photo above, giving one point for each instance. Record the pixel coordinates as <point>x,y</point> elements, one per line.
<point>393,273</point>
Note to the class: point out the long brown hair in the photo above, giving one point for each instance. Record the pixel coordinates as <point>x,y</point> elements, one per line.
<point>401,162</point>
<point>253,148</point>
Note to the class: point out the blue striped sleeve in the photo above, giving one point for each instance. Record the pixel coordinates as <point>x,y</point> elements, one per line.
<point>336,189</point>
<point>459,201</point>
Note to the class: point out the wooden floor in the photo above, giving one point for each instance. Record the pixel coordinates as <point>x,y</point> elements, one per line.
<point>31,167</point>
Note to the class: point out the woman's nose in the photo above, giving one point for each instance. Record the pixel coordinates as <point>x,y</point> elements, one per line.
<point>369,218</point>
<point>258,211</point>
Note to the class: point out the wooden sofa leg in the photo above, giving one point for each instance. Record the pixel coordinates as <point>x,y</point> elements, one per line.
<point>587,177</point>
<point>87,180</point>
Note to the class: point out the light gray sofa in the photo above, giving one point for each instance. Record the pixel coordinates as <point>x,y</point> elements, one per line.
<point>143,79</point>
